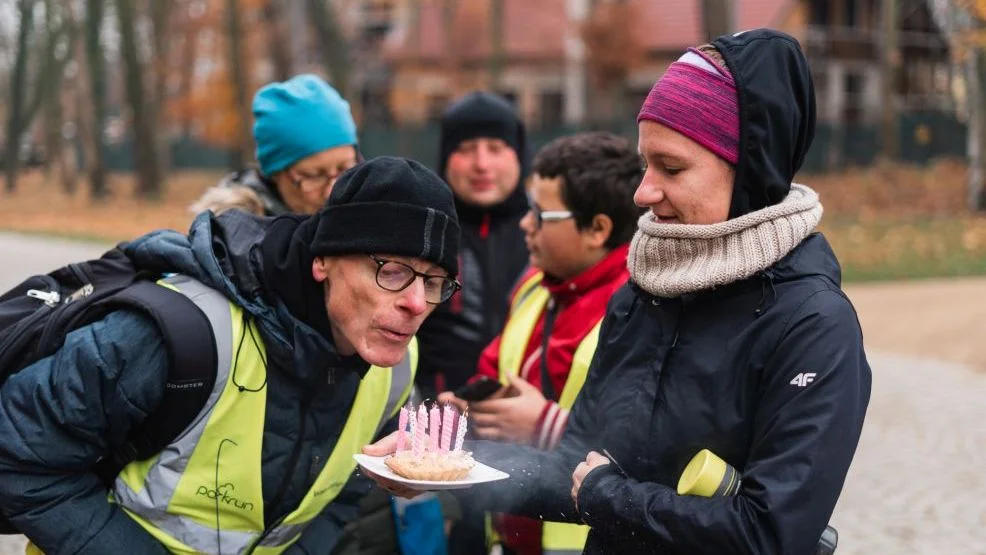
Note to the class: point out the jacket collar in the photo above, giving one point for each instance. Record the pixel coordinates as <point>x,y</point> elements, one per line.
<point>515,205</point>
<point>611,268</point>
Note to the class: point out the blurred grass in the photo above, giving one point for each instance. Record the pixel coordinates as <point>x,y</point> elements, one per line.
<point>893,222</point>
<point>887,222</point>
<point>40,205</point>
<point>943,246</point>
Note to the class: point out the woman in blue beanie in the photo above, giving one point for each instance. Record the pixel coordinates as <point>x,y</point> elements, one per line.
<point>305,136</point>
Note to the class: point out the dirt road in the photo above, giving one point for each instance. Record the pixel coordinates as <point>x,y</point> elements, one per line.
<point>942,319</point>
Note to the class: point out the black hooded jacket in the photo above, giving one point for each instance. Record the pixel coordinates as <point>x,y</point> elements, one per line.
<point>769,373</point>
<point>492,254</point>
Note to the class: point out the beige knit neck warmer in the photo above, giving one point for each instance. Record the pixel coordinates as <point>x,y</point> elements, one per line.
<point>669,260</point>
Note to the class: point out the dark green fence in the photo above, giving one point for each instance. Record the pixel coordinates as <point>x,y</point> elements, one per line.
<point>186,154</point>
<point>923,137</point>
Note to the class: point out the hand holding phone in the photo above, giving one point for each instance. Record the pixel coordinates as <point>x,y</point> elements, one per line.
<point>478,390</point>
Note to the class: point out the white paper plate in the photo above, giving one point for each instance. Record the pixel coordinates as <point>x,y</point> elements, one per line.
<point>478,475</point>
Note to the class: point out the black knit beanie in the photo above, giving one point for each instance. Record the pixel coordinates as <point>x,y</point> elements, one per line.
<point>481,114</point>
<point>390,205</point>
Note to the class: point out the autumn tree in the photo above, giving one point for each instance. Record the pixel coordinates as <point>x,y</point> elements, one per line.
<point>333,47</point>
<point>19,112</point>
<point>146,162</point>
<point>160,17</point>
<point>214,105</point>
<point>96,72</point>
<point>59,24</point>
<point>964,23</point>
<point>237,69</point>
<point>41,46</point>
<point>278,38</point>
<point>613,50</point>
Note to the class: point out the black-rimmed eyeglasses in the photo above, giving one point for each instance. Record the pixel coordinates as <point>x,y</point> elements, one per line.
<point>396,276</point>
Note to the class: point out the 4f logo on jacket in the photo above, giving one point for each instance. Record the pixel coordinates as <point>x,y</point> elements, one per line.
<point>803,379</point>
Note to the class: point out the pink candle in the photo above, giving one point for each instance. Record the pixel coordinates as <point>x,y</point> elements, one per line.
<point>460,433</point>
<point>421,433</point>
<point>413,421</point>
<point>448,422</point>
<point>402,430</point>
<point>433,425</point>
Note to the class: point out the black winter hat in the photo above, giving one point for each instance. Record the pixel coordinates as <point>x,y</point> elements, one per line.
<point>481,114</point>
<point>390,205</point>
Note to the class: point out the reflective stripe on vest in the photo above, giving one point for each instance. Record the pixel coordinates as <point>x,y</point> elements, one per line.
<point>527,307</point>
<point>203,493</point>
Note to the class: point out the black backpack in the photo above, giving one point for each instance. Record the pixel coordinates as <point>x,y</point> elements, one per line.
<point>36,315</point>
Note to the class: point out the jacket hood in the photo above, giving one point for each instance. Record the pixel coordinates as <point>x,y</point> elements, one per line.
<point>265,190</point>
<point>225,252</point>
<point>777,114</point>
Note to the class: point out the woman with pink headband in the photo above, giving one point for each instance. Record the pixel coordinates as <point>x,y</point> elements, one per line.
<point>733,334</point>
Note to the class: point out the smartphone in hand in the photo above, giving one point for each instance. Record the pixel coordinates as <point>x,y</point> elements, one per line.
<point>478,390</point>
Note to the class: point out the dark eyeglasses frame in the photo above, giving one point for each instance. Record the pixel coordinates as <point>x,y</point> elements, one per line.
<point>447,292</point>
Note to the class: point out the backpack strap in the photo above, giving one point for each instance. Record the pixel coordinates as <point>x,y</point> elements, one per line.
<point>191,345</point>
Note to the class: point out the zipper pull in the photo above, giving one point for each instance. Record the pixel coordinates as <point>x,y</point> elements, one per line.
<point>332,376</point>
<point>82,292</point>
<point>50,298</point>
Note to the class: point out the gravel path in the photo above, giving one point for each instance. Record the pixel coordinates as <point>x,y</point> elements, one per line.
<point>916,485</point>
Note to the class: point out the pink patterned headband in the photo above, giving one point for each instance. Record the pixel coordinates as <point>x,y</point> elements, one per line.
<point>697,99</point>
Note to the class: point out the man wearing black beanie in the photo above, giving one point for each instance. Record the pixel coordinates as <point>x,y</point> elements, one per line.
<point>310,318</point>
<point>483,157</point>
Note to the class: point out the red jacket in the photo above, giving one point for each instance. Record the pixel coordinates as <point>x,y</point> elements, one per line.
<point>582,303</point>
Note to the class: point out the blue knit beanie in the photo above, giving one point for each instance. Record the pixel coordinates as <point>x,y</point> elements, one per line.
<point>297,118</point>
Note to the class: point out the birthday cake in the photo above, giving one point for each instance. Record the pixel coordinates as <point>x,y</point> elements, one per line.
<point>425,446</point>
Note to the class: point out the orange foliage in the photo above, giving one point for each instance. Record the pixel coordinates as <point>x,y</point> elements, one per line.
<point>210,105</point>
<point>613,51</point>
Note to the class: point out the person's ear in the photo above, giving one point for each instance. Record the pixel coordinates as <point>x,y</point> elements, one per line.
<point>320,268</point>
<point>598,231</point>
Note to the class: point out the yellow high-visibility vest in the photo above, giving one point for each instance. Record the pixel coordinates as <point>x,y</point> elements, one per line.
<point>526,309</point>
<point>203,494</point>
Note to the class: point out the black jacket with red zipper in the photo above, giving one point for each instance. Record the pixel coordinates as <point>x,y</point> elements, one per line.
<point>492,257</point>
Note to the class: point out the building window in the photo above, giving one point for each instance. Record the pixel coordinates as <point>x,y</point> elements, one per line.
<point>854,86</point>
